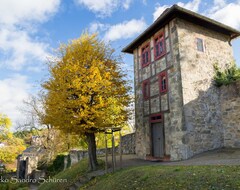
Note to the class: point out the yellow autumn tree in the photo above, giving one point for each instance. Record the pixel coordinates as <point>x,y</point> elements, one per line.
<point>87,90</point>
<point>5,124</point>
<point>11,146</point>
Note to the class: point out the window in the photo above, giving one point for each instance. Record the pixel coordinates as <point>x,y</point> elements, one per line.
<point>159,46</point>
<point>200,45</point>
<point>156,118</point>
<point>163,82</point>
<point>146,56</point>
<point>146,90</point>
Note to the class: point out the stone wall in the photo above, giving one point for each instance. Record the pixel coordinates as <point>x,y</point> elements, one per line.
<point>173,119</point>
<point>191,108</point>
<point>139,108</point>
<point>128,147</point>
<point>230,107</point>
<point>202,112</point>
<point>128,143</point>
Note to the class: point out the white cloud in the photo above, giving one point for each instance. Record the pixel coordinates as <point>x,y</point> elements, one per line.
<point>191,5</point>
<point>35,69</point>
<point>220,3</point>
<point>103,8</point>
<point>159,10</point>
<point>15,11</point>
<point>126,4</point>
<point>19,48</point>
<point>124,30</point>
<point>13,91</point>
<point>18,22</point>
<point>97,27</point>
<point>228,14</point>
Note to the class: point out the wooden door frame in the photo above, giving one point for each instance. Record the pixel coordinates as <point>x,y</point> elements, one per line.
<point>151,121</point>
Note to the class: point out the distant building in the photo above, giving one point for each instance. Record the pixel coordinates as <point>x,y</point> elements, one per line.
<point>177,107</point>
<point>28,161</point>
<point>37,140</point>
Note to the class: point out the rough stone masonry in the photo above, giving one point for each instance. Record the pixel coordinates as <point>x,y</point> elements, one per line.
<point>188,115</point>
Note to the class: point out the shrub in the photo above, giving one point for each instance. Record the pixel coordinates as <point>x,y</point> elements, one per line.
<point>56,166</point>
<point>230,75</point>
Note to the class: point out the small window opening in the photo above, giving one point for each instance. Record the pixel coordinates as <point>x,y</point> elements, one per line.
<point>200,45</point>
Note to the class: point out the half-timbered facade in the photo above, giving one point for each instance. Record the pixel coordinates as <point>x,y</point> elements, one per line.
<point>176,104</point>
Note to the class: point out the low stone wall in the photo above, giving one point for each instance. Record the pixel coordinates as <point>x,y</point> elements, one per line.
<point>38,174</point>
<point>76,155</point>
<point>128,144</point>
<point>128,147</point>
<point>230,107</point>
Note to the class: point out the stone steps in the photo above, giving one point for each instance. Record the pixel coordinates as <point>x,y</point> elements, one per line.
<point>85,179</point>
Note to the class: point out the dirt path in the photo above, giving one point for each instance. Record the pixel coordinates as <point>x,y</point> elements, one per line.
<point>215,157</point>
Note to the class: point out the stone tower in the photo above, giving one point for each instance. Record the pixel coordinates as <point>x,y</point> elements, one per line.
<point>177,107</point>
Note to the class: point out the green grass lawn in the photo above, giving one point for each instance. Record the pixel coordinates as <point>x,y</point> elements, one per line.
<point>7,184</point>
<point>68,177</point>
<point>170,177</point>
<point>10,186</point>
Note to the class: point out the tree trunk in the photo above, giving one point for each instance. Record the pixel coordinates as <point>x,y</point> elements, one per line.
<point>68,142</point>
<point>92,151</point>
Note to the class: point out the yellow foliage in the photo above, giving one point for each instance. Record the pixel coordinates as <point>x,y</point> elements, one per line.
<point>9,153</point>
<point>12,145</point>
<point>5,125</point>
<point>87,91</point>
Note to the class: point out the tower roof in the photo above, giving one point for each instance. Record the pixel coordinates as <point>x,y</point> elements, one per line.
<point>179,12</point>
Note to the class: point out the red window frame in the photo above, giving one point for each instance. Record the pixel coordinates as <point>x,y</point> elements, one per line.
<point>159,46</point>
<point>156,118</point>
<point>163,82</point>
<point>146,89</point>
<point>146,55</point>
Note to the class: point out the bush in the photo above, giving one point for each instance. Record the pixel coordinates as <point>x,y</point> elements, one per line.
<point>230,75</point>
<point>57,165</point>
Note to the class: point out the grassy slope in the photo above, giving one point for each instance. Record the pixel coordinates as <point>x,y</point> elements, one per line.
<point>10,186</point>
<point>170,177</point>
<point>71,175</point>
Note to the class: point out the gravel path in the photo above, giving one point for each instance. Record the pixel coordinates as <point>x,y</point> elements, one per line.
<point>215,157</point>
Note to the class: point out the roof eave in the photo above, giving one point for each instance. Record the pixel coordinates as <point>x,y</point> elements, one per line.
<point>162,18</point>
<point>176,11</point>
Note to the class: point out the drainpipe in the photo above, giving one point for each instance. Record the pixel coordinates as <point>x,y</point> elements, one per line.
<point>231,38</point>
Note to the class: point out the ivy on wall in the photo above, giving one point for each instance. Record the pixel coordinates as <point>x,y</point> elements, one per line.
<point>228,76</point>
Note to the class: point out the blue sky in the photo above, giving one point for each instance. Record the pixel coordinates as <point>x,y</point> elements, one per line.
<point>31,30</point>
